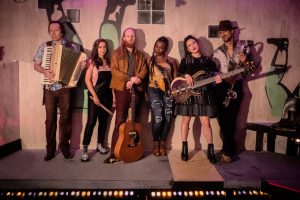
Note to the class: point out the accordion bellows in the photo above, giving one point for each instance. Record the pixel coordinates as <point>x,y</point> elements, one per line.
<point>65,63</point>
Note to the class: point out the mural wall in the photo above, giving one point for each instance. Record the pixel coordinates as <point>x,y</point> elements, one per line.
<point>24,27</point>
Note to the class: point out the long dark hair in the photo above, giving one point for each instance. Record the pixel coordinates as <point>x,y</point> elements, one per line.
<point>95,56</point>
<point>164,40</point>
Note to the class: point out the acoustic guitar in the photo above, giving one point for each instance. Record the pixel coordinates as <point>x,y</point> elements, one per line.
<point>129,146</point>
<point>181,91</point>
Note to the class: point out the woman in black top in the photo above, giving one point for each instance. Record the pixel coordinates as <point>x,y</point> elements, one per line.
<point>199,106</point>
<point>97,79</point>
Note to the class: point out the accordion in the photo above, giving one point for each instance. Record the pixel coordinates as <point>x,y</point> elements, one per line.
<point>65,63</point>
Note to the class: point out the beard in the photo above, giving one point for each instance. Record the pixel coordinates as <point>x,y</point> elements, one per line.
<point>129,45</point>
<point>226,38</point>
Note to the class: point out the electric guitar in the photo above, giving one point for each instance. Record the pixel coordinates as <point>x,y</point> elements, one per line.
<point>181,91</point>
<point>130,147</point>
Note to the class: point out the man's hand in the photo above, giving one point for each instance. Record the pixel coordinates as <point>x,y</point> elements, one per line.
<point>49,74</point>
<point>242,58</point>
<point>129,85</point>
<point>83,64</point>
<point>218,79</point>
<point>189,79</point>
<point>135,80</point>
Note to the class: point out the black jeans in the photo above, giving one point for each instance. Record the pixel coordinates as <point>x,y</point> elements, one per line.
<point>227,116</point>
<point>161,112</point>
<point>58,99</point>
<point>95,112</point>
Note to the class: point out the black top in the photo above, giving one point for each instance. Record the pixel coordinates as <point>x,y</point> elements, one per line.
<point>191,65</point>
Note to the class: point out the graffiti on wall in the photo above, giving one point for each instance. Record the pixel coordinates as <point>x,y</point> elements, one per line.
<point>277,92</point>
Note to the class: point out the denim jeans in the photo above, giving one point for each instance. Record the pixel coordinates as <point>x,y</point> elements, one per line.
<point>53,100</point>
<point>161,112</point>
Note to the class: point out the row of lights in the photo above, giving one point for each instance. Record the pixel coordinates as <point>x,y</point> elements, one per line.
<point>73,193</point>
<point>132,194</point>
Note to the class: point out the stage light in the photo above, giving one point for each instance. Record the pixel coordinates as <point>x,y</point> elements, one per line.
<point>185,193</point>
<point>51,193</point>
<point>190,193</point>
<point>121,193</point>
<point>104,193</point>
<point>131,193</point>
<point>212,193</point>
<point>201,193</point>
<point>297,140</point>
<point>223,193</point>
<point>174,193</point>
<point>169,194</point>
<point>153,194</point>
<point>158,194</point>
<point>126,193</point>
<point>179,193</point>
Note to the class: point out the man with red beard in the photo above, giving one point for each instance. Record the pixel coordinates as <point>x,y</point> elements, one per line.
<point>128,69</point>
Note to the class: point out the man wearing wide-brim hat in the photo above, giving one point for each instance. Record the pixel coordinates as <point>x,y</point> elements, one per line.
<point>228,94</point>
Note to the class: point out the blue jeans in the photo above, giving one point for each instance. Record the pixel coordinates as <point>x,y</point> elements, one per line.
<point>161,112</point>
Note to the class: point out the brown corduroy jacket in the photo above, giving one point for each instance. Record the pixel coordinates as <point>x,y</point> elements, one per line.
<point>119,68</point>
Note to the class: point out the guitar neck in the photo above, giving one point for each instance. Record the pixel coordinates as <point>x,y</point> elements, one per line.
<point>132,107</point>
<point>211,79</point>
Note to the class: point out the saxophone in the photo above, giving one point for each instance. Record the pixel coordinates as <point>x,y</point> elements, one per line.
<point>242,47</point>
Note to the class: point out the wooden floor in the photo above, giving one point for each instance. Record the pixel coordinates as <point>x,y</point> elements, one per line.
<point>196,169</point>
<point>26,169</point>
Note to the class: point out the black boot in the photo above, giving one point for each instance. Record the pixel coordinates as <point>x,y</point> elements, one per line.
<point>211,154</point>
<point>185,151</point>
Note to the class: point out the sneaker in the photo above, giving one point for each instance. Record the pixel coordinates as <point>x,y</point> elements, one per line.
<point>85,155</point>
<point>102,149</point>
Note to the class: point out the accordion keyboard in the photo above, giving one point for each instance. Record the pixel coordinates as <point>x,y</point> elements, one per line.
<point>46,63</point>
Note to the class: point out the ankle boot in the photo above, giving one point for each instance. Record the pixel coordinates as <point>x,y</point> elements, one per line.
<point>211,154</point>
<point>185,151</point>
<point>162,148</point>
<point>155,149</point>
<point>85,155</point>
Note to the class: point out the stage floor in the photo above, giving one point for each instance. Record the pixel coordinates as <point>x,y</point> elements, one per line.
<point>26,169</point>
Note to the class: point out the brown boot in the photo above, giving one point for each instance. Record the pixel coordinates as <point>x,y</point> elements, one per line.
<point>155,150</point>
<point>162,148</point>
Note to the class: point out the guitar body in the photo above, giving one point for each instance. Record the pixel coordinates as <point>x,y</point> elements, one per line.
<point>180,89</point>
<point>129,147</point>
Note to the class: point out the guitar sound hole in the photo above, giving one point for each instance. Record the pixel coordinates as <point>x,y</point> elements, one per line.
<point>134,139</point>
